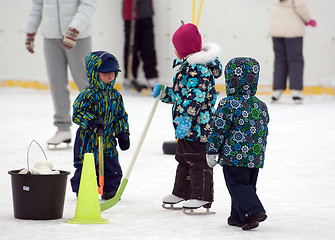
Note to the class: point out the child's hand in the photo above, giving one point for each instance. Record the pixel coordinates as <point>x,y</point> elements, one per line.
<point>123,140</point>
<point>211,160</point>
<point>183,128</point>
<point>157,90</point>
<point>96,125</point>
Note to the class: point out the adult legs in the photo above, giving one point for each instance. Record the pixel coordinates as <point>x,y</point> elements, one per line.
<point>56,64</point>
<point>295,60</point>
<point>280,64</point>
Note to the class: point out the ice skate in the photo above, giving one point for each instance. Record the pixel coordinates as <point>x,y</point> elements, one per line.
<point>169,202</point>
<point>276,95</point>
<point>58,138</point>
<point>297,96</point>
<point>192,204</point>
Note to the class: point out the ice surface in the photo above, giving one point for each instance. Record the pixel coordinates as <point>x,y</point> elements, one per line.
<point>296,186</point>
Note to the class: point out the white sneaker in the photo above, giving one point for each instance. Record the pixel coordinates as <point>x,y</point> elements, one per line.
<point>172,199</point>
<point>297,96</point>
<point>59,137</point>
<point>194,203</point>
<point>276,95</point>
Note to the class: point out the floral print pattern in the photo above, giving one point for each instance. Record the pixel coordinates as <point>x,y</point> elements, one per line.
<point>193,96</point>
<point>239,129</point>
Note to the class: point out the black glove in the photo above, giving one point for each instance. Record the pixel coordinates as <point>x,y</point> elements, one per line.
<point>124,142</point>
<point>96,125</point>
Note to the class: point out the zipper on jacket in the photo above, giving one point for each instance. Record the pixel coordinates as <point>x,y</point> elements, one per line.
<point>59,22</point>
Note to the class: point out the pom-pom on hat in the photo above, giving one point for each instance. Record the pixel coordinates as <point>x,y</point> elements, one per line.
<point>187,40</point>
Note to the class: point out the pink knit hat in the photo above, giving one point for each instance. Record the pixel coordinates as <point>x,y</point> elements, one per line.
<point>187,40</point>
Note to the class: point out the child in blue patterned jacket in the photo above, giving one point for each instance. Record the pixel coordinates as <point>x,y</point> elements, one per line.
<point>193,96</point>
<point>98,106</point>
<point>238,141</point>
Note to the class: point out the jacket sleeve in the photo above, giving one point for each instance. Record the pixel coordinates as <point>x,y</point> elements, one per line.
<point>220,126</point>
<point>83,16</point>
<point>82,108</point>
<point>35,16</point>
<point>300,8</point>
<point>121,124</point>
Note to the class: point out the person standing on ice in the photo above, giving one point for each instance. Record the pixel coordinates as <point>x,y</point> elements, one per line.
<point>67,30</point>
<point>193,96</point>
<point>288,21</point>
<point>238,139</point>
<point>100,105</point>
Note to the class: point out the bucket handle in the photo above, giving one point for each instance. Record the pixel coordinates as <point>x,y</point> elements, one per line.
<point>33,141</point>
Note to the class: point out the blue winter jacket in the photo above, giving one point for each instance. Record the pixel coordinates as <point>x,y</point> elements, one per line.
<point>99,98</point>
<point>193,93</point>
<point>239,130</point>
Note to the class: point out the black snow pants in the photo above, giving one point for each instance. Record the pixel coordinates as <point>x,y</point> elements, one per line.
<point>194,178</point>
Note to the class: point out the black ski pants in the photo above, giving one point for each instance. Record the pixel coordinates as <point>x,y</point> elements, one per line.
<point>241,184</point>
<point>194,178</point>
<point>144,47</point>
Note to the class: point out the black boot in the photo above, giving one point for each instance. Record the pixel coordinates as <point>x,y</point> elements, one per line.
<point>108,195</point>
<point>253,221</point>
<point>232,222</point>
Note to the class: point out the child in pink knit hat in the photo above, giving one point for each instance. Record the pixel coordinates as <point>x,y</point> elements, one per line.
<point>193,97</point>
<point>187,40</point>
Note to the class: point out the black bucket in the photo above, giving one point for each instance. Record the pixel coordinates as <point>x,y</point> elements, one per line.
<point>38,197</point>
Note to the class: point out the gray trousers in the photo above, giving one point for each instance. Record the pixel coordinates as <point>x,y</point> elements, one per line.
<point>289,63</point>
<point>57,61</point>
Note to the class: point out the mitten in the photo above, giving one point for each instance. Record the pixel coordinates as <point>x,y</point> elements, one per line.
<point>311,23</point>
<point>70,39</point>
<point>123,140</point>
<point>96,125</point>
<point>211,160</point>
<point>30,42</point>
<point>157,90</point>
<point>183,128</point>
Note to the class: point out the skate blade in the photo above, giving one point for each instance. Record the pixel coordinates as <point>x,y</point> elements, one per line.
<point>171,206</point>
<point>191,211</point>
<point>59,146</point>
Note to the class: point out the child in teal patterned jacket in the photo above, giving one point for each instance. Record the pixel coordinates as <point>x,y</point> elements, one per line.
<point>193,96</point>
<point>100,105</point>
<point>238,141</point>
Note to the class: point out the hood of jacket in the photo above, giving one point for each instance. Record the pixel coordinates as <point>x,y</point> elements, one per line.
<point>93,62</point>
<point>208,56</point>
<point>242,75</point>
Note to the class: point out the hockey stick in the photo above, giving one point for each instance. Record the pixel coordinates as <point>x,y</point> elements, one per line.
<point>199,12</point>
<point>101,159</point>
<point>111,202</point>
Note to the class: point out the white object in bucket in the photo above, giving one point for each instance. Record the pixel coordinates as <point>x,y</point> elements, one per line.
<point>40,167</point>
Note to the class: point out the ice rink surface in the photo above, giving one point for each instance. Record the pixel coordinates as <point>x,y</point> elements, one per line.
<point>296,186</point>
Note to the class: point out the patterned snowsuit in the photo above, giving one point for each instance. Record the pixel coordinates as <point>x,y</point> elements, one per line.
<point>238,137</point>
<point>193,96</point>
<point>103,99</point>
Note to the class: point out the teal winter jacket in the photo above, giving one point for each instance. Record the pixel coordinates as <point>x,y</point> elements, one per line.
<point>193,93</point>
